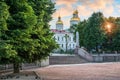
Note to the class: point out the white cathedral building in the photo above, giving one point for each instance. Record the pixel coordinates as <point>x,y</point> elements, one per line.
<point>65,38</point>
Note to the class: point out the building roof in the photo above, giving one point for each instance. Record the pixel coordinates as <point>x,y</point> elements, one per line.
<point>59,21</point>
<point>75,12</point>
<point>75,16</point>
<point>75,19</point>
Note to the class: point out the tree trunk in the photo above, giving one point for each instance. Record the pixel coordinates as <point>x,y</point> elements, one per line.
<point>16,67</point>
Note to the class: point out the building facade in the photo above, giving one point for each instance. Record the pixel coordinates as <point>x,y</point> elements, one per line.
<point>65,38</point>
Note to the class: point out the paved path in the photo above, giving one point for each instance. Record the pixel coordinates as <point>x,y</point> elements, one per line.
<point>90,71</point>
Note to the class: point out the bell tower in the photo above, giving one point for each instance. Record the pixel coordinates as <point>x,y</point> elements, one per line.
<point>75,19</point>
<point>59,24</point>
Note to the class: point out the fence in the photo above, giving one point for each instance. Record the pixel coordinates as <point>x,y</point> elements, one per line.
<point>106,57</point>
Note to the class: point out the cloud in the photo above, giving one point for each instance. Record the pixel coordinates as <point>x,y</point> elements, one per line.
<point>65,9</point>
<point>95,4</point>
<point>85,8</point>
<point>90,6</point>
<point>67,3</point>
<point>118,6</point>
<point>63,12</point>
<point>83,11</point>
<point>107,11</point>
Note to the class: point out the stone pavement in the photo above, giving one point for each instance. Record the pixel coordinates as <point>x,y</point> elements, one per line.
<point>87,71</point>
<point>23,75</point>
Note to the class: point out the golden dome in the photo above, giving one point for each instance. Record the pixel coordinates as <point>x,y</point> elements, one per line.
<point>75,16</point>
<point>75,19</point>
<point>75,12</point>
<point>59,21</point>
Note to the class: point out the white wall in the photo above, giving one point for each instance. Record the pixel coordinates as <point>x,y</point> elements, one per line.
<point>60,39</point>
<point>73,22</point>
<point>59,26</point>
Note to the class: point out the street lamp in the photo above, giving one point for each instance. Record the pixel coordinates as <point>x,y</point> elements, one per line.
<point>66,39</point>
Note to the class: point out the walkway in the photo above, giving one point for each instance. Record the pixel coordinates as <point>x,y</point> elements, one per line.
<point>87,71</point>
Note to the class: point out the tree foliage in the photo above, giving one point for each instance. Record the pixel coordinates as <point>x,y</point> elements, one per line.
<point>94,33</point>
<point>25,34</point>
<point>116,37</point>
<point>80,29</point>
<point>4,48</point>
<point>90,31</point>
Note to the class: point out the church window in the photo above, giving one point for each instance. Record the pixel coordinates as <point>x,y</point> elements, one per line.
<point>69,38</point>
<point>70,45</point>
<point>62,45</point>
<point>62,38</point>
<point>73,45</point>
<point>58,38</point>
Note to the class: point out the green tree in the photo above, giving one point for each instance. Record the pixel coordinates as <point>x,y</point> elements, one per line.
<point>110,33</point>
<point>80,29</point>
<point>27,37</point>
<point>44,9</point>
<point>116,37</point>
<point>93,33</point>
<point>4,14</point>
<point>20,24</point>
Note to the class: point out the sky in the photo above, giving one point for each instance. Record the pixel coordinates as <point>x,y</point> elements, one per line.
<point>65,9</point>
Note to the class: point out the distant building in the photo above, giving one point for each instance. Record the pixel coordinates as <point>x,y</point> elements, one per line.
<point>65,38</point>
<point>75,19</point>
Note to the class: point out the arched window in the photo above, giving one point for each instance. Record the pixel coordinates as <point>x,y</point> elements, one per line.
<point>69,38</point>
<point>62,45</point>
<point>70,45</point>
<point>58,38</point>
<point>73,45</point>
<point>62,38</point>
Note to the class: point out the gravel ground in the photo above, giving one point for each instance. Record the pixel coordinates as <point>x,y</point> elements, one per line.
<point>87,71</point>
<point>23,75</point>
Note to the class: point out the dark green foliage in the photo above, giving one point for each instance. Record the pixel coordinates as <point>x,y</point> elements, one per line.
<point>112,38</point>
<point>116,37</point>
<point>43,9</point>
<point>20,25</point>
<point>25,34</point>
<point>91,33</point>
<point>4,48</point>
<point>80,29</point>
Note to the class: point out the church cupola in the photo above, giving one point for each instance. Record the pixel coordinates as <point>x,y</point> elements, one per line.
<point>75,19</point>
<point>59,24</point>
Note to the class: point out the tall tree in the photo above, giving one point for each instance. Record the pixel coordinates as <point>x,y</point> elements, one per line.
<point>4,48</point>
<point>93,33</point>
<point>80,29</point>
<point>116,37</point>
<point>20,24</point>
<point>44,9</point>
<point>27,37</point>
<point>110,29</point>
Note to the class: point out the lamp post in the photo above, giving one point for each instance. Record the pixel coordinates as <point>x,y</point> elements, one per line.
<point>66,39</point>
